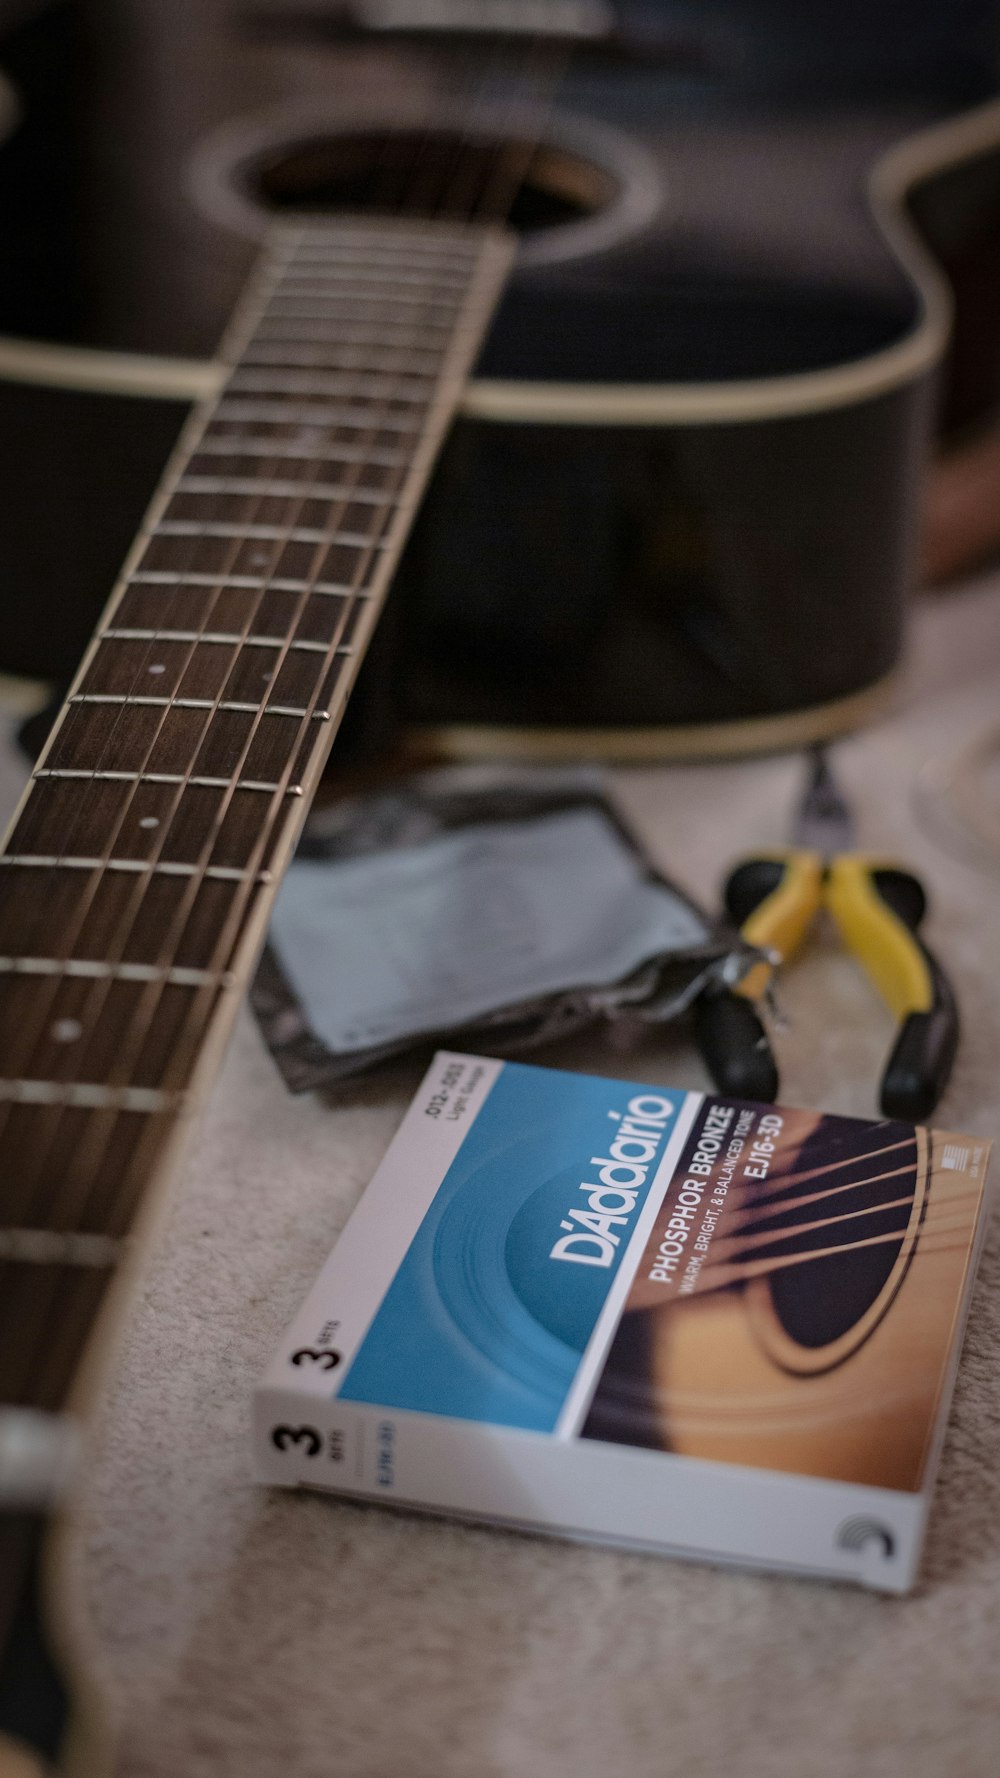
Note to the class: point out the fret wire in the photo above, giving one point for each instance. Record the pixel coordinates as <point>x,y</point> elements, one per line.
<point>90,1095</point>
<point>375,252</point>
<point>372,290</point>
<point>353,419</point>
<point>426,287</point>
<point>356,302</point>
<point>262,533</point>
<point>395,385</point>
<point>265,278</point>
<point>251,582</point>
<point>146,701</point>
<point>231,445</point>
<point>125,972</point>
<point>276,489</point>
<point>145,1009</point>
<point>197,780</point>
<point>234,916</point>
<point>416,470</point>
<point>249,446</point>
<point>225,873</point>
<point>304,354</point>
<point>260,289</point>
<point>313,237</point>
<point>227,795</point>
<point>381,241</point>
<point>147,1104</point>
<point>393,336</point>
<point>51,1246</point>
<point>215,637</point>
<point>444,279</point>
<point>424,257</point>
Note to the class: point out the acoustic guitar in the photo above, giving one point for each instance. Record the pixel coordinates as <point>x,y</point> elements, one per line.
<point>716,467</point>
<point>140,868</point>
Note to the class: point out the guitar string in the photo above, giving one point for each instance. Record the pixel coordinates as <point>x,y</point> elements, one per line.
<point>58,1283</point>
<point>52,1124</point>
<point>723,1272</point>
<point>234,918</point>
<point>756,1213</point>
<point>96,879</point>
<point>781,1184</point>
<point>780,1218</point>
<point>125,1184</point>
<point>138,678</point>
<point>270,826</point>
<point>934,1239</point>
<point>744,1240</point>
<point>150,998</point>
<point>100,1130</point>
<point>304,495</point>
<point>82,811</point>
<point>933,1213</point>
<point>112,952</point>
<point>91,1125</point>
<point>123,714</point>
<point>490,197</point>
<point>91,791</point>
<point>143,664</point>
<point>745,1217</point>
<point>364,563</point>
<point>540,76</point>
<point>147,999</point>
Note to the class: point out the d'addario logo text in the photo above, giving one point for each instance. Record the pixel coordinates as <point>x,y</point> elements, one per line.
<point>594,1234</point>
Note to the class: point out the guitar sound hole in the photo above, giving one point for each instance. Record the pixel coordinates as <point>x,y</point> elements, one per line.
<point>821,1299</point>
<point>439,173</point>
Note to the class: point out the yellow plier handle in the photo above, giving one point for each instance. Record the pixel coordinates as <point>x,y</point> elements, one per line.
<point>773,899</point>
<point>878,909</point>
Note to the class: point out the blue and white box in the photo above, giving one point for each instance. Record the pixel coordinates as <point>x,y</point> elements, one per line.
<point>625,1313</point>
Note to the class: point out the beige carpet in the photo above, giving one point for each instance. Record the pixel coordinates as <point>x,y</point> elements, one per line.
<point>265,1634</point>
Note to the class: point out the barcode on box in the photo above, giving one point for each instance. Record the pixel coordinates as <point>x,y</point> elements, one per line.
<point>954,1157</point>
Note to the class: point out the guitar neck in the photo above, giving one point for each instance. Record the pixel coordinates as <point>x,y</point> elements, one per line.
<point>141,866</point>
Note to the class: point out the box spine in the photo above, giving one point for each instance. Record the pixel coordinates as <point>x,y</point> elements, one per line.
<point>587,1490</point>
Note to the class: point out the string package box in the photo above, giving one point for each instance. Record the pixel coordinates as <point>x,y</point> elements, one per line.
<point>619,1312</point>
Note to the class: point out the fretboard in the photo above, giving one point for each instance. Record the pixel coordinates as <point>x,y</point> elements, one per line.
<point>141,867</point>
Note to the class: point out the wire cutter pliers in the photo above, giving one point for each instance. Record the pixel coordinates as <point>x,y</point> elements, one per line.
<point>877,908</point>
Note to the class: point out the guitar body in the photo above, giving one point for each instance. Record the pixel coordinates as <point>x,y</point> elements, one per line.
<point>678,511</point>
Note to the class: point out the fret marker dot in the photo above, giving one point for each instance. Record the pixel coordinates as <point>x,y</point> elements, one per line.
<point>67,1030</point>
<point>260,558</point>
<point>157,667</point>
<point>150,821</point>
